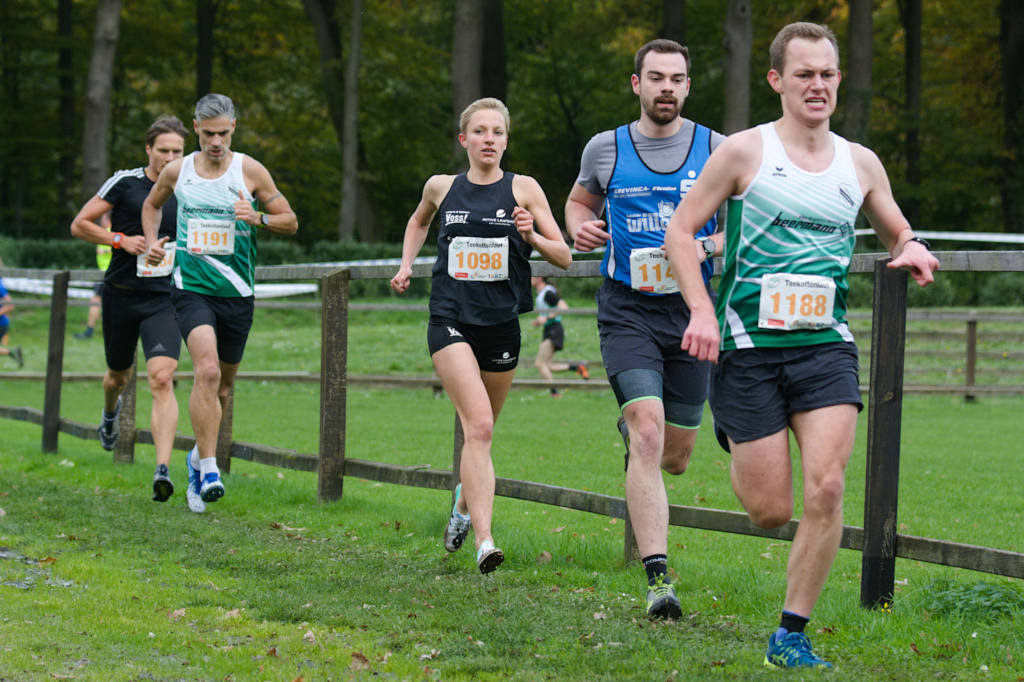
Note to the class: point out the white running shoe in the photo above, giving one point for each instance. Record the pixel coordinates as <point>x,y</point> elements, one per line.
<point>458,525</point>
<point>195,501</point>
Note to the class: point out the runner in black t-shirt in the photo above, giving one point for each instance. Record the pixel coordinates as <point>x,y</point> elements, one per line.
<point>136,303</point>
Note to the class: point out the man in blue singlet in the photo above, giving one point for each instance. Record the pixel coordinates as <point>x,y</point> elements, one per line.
<point>214,270</point>
<point>785,356</point>
<point>637,174</point>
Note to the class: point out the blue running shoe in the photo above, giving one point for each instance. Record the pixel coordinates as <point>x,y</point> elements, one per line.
<point>792,651</point>
<point>212,489</point>
<point>458,525</point>
<point>195,502</point>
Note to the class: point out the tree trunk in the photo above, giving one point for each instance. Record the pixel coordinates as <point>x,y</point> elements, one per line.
<point>323,15</point>
<point>206,12</point>
<point>673,20</point>
<point>97,96</point>
<point>467,49</point>
<point>857,74</point>
<point>738,37</point>
<point>1011,46</point>
<point>66,86</point>
<point>910,17</point>
<point>493,74</point>
<point>350,132</point>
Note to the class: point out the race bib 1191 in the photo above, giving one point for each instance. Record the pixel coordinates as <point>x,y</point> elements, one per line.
<point>211,236</point>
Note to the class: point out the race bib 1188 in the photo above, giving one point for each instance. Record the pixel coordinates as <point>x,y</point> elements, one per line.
<point>796,301</point>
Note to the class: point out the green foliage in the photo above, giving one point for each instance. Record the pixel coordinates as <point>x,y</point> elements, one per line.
<point>982,601</point>
<point>47,253</point>
<point>1003,288</point>
<point>568,64</point>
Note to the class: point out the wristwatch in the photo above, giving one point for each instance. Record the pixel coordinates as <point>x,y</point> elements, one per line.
<point>709,247</point>
<point>264,219</point>
<point>118,236</point>
<point>922,242</point>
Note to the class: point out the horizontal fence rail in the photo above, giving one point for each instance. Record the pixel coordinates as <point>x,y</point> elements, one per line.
<point>877,541</point>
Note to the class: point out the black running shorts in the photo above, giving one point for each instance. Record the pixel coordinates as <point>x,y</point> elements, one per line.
<point>755,390</point>
<point>131,314</point>
<point>496,346</point>
<point>230,317</point>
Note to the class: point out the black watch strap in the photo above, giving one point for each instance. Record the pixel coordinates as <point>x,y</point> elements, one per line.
<point>921,241</point>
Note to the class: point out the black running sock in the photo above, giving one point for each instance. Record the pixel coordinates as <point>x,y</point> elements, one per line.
<point>792,622</point>
<point>656,566</point>
<point>573,366</point>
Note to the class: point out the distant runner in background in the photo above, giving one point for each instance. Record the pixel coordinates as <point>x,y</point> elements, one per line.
<point>549,303</point>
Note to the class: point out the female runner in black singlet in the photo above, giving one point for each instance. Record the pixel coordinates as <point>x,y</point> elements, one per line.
<point>490,221</point>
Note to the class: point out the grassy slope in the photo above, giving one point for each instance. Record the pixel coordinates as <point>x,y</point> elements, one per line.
<point>271,585</point>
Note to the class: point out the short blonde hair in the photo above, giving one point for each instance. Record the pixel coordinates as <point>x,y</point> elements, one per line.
<point>484,103</point>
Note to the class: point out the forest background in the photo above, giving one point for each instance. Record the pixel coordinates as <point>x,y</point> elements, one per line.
<point>352,104</point>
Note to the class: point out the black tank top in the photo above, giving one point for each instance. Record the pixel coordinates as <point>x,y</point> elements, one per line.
<point>470,210</point>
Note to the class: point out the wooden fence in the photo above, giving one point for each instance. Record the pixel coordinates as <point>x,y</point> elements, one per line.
<point>878,540</point>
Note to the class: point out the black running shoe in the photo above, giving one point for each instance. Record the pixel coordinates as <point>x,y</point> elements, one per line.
<point>163,488</point>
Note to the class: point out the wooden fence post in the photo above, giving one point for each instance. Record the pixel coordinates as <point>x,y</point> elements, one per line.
<point>55,360</point>
<point>631,552</point>
<point>333,385</point>
<point>885,408</point>
<point>124,448</point>
<point>972,359</point>
<point>224,433</point>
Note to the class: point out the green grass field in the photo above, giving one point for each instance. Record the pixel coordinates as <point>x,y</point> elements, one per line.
<point>97,582</point>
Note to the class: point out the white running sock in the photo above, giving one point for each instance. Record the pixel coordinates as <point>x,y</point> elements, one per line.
<point>208,465</point>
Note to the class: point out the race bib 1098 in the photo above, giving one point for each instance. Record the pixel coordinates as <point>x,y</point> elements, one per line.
<point>478,259</point>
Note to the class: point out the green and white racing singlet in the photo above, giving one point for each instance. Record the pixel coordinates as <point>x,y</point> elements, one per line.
<point>789,241</point>
<point>216,254</point>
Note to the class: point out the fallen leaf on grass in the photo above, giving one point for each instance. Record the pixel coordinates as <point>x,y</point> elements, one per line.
<point>2,512</point>
<point>272,651</point>
<point>309,637</point>
<point>544,557</point>
<point>434,653</point>
<point>66,463</point>
<point>559,529</point>
<point>359,661</point>
<point>48,560</point>
<point>600,615</point>
<point>233,613</point>
<point>176,614</point>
